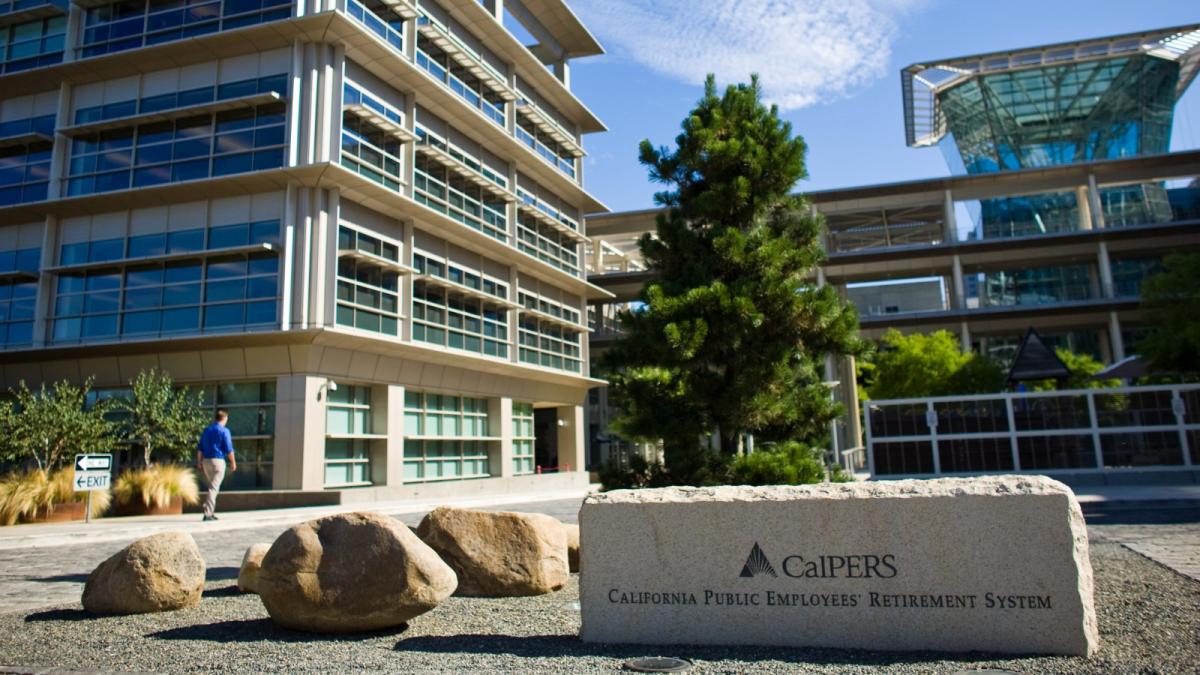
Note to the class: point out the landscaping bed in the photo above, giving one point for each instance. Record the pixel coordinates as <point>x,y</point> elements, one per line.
<point>1149,622</point>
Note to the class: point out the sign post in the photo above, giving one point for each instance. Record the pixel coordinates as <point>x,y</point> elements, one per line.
<point>92,472</point>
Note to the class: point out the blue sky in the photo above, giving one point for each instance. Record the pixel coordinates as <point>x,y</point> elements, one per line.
<point>833,65</point>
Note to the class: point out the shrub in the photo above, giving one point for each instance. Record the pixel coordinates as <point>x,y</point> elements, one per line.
<point>23,494</point>
<point>156,486</point>
<point>788,463</point>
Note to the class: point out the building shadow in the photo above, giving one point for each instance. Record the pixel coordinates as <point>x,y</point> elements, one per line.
<point>229,591</point>
<point>222,573</point>
<point>541,646</point>
<point>59,578</point>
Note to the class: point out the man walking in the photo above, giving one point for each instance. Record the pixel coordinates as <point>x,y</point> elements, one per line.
<point>215,448</point>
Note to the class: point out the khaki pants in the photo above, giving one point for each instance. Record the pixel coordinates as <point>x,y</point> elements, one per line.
<point>214,473</point>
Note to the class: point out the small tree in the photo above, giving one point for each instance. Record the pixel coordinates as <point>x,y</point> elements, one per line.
<point>919,365</point>
<point>1171,299</point>
<point>161,416</point>
<point>50,425</point>
<point>733,331</point>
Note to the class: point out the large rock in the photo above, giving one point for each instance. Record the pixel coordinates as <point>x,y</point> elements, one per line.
<point>499,554</point>
<point>351,572</point>
<point>158,573</point>
<point>572,532</point>
<point>251,564</point>
<point>994,564</point>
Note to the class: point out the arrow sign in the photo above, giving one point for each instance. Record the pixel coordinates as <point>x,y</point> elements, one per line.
<point>93,462</point>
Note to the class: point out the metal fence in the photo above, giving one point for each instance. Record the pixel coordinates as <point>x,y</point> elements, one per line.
<point>1074,431</point>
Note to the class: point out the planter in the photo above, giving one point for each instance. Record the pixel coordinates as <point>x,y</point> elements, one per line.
<point>139,508</point>
<point>59,513</point>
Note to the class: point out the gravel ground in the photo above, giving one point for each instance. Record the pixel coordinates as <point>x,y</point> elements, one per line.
<point>1149,623</point>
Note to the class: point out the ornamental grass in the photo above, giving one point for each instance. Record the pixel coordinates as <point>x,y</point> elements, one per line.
<point>155,486</point>
<point>24,494</point>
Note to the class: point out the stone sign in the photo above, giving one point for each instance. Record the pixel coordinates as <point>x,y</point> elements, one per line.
<point>981,564</point>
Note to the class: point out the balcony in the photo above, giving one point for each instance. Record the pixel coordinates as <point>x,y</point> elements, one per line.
<point>467,291</point>
<point>548,216</point>
<point>548,125</point>
<point>374,23</point>
<point>380,121</point>
<point>462,164</point>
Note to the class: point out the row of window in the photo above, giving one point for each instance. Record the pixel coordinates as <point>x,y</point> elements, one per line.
<point>548,345</point>
<point>17,305</point>
<point>277,83</point>
<point>368,297</point>
<point>523,438</point>
<point>371,152</point>
<point>32,44</point>
<point>439,429</point>
<point>347,414</point>
<point>25,173</point>
<point>161,243</point>
<point>436,268</point>
<point>446,319</point>
<point>459,80</point>
<point>138,23</point>
<point>546,244</point>
<point>439,189</point>
<point>545,147</point>
<point>43,124</point>
<point>223,293</point>
<point>540,304</point>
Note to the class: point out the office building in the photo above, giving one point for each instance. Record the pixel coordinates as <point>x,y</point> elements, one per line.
<point>355,224</point>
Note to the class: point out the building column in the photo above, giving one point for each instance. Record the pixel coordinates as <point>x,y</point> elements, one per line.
<point>299,432</point>
<point>1083,205</point>
<point>1104,265</point>
<point>500,458</point>
<point>1115,338</point>
<point>964,337</point>
<point>1097,207</point>
<point>960,287</point>
<point>949,220</point>
<point>393,414</point>
<point>571,448</point>
<point>562,70</point>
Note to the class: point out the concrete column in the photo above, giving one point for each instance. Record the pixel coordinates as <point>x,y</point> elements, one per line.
<point>299,433</point>
<point>46,283</point>
<point>1095,204</point>
<point>853,406</point>
<point>514,339</point>
<point>571,448</point>
<point>410,40</point>
<point>76,17</point>
<point>1104,265</point>
<point>500,418</point>
<point>949,219</point>
<point>393,414</point>
<point>61,151</point>
<point>496,7</point>
<point>562,70</point>
<point>1114,336</point>
<point>1083,203</point>
<point>960,287</point>
<point>406,283</point>
<point>964,337</point>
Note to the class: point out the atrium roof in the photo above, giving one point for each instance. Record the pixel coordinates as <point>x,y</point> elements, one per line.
<point>925,122</point>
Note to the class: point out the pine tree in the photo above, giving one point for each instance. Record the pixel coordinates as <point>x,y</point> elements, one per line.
<point>731,336</point>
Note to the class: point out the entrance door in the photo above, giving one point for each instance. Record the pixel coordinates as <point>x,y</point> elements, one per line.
<point>545,446</point>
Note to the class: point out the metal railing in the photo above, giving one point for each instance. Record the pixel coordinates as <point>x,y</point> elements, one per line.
<point>1071,431</point>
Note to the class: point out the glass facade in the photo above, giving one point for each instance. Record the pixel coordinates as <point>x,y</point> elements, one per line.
<point>347,422</point>
<point>1053,115</point>
<point>25,172</point>
<point>202,146</point>
<point>523,438</point>
<point>1036,286</point>
<point>32,44</point>
<point>187,98</point>
<point>139,298</point>
<point>457,78</point>
<point>549,343</point>
<point>368,293</point>
<point>452,316</point>
<point>446,437</point>
<point>251,408</point>
<point>138,23</point>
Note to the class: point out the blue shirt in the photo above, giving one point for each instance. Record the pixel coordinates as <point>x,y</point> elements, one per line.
<point>216,442</point>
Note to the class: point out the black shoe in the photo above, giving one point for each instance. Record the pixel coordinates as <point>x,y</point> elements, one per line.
<point>213,517</point>
<point>208,518</point>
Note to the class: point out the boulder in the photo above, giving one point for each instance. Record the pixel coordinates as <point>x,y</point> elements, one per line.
<point>158,573</point>
<point>251,564</point>
<point>572,532</point>
<point>349,573</point>
<point>499,554</point>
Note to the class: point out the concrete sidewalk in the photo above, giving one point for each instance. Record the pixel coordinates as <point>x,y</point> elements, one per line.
<point>126,529</point>
<point>1132,494</point>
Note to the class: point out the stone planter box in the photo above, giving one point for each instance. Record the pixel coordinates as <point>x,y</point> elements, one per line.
<point>59,513</point>
<point>137,508</point>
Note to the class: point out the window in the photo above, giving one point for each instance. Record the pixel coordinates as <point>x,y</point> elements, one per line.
<point>546,244</point>
<point>545,147</point>
<point>370,152</point>
<point>545,342</point>
<point>32,44</point>
<point>43,124</point>
<point>380,20</point>
<point>191,97</point>
<point>347,422</point>
<point>228,293</point>
<point>444,191</point>
<point>459,79</point>
<point>251,408</point>
<point>17,302</point>
<point>368,293</point>
<point>234,141</point>
<point>24,173</point>
<point>133,24</point>
<point>523,438</point>
<point>463,317</point>
<point>446,437</point>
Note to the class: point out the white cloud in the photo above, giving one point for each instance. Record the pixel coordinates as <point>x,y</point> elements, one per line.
<point>804,50</point>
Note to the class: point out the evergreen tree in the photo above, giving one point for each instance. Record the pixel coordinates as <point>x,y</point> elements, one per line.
<point>1171,299</point>
<point>731,336</point>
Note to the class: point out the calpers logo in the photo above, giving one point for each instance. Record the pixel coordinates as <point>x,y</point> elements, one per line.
<point>757,564</point>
